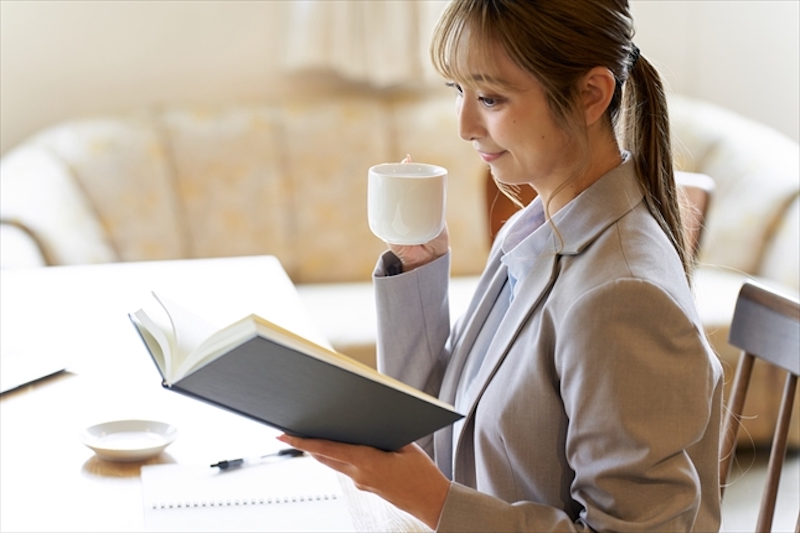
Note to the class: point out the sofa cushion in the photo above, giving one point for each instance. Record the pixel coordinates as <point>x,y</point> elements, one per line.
<point>122,169</point>
<point>328,147</point>
<point>226,171</point>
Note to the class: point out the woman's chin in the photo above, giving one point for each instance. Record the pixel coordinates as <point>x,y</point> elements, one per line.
<point>505,177</point>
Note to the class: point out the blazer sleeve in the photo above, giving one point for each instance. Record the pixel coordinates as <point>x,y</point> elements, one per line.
<point>413,314</point>
<point>639,388</point>
<point>413,322</point>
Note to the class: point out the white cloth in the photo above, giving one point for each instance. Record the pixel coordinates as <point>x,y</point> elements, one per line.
<point>381,43</point>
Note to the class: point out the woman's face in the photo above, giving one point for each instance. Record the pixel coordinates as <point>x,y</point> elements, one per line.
<point>513,129</point>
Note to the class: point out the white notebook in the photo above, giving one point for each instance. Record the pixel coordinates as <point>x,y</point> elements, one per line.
<point>22,368</point>
<point>289,495</point>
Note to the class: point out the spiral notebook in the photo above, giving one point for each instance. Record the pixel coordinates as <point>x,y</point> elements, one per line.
<point>288,495</point>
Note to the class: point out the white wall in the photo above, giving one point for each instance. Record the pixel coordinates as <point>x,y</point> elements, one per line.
<point>744,55</point>
<point>61,59</point>
<point>64,58</point>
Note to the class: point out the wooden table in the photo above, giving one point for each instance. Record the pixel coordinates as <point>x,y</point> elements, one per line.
<point>49,481</point>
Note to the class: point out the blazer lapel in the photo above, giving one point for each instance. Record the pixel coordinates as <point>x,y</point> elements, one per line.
<point>477,313</point>
<point>531,291</point>
<point>476,316</point>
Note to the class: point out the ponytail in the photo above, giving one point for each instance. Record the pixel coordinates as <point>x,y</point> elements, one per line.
<point>645,133</point>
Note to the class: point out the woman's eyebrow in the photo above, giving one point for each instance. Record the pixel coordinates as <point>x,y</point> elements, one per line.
<point>488,78</point>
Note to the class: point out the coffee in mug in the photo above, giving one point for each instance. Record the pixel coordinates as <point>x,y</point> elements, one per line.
<point>406,202</point>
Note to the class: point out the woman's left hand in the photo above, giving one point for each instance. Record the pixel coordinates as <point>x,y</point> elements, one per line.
<point>407,478</point>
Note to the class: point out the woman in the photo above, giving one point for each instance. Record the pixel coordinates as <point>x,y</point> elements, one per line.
<point>591,396</point>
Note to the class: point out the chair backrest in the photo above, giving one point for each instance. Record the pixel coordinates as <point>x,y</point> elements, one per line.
<point>499,207</point>
<point>695,190</point>
<point>765,326</point>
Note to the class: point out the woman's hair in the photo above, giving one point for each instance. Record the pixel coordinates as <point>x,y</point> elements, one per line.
<point>558,42</point>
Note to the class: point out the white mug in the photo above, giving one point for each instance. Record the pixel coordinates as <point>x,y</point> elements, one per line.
<point>406,202</point>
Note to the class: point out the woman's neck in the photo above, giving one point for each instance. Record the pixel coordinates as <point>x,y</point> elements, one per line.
<point>604,155</point>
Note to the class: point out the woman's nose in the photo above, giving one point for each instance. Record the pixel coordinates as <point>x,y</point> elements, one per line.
<point>469,126</point>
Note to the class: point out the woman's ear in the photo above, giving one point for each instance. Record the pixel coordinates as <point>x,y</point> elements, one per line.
<point>597,89</point>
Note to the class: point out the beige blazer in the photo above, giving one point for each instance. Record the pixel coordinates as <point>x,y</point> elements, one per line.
<point>601,398</point>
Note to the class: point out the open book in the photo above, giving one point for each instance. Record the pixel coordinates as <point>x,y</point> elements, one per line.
<point>262,371</point>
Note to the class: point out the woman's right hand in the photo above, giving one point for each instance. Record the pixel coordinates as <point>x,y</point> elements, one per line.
<point>413,256</point>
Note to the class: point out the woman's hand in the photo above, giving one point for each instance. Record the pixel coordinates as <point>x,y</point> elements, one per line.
<point>413,256</point>
<point>407,478</point>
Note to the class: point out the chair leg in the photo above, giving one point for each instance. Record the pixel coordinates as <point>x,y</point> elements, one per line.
<point>733,413</point>
<point>776,457</point>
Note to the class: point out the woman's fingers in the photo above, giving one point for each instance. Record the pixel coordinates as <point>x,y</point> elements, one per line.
<point>407,478</point>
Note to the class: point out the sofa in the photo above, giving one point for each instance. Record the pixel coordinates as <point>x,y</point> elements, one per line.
<point>288,178</point>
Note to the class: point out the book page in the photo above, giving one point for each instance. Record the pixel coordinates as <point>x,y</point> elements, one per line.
<point>157,342</point>
<point>288,495</point>
<point>218,344</point>
<point>189,332</point>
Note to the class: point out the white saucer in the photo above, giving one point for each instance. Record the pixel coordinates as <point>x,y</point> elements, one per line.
<point>129,440</point>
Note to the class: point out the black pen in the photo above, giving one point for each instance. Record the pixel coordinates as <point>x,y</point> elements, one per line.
<point>230,463</point>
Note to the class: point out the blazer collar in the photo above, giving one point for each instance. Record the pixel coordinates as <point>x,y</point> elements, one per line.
<point>598,207</point>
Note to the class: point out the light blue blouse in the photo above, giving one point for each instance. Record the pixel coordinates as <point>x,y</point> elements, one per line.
<point>519,254</point>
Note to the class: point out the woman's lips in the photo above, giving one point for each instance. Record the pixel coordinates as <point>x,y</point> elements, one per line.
<point>490,156</point>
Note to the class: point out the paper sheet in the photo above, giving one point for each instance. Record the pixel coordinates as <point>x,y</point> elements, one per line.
<point>288,495</point>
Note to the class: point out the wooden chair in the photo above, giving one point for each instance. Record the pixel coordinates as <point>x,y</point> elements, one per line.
<point>766,326</point>
<point>695,190</point>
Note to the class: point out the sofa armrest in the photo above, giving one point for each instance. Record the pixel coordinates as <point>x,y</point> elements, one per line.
<point>781,258</point>
<point>19,247</point>
<point>39,196</point>
<point>754,169</point>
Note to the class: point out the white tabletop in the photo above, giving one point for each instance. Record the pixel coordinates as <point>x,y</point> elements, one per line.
<point>49,481</point>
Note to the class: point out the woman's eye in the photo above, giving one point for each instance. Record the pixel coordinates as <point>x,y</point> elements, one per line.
<point>488,101</point>
<point>456,86</point>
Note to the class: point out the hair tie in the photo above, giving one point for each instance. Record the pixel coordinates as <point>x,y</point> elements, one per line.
<point>634,53</point>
